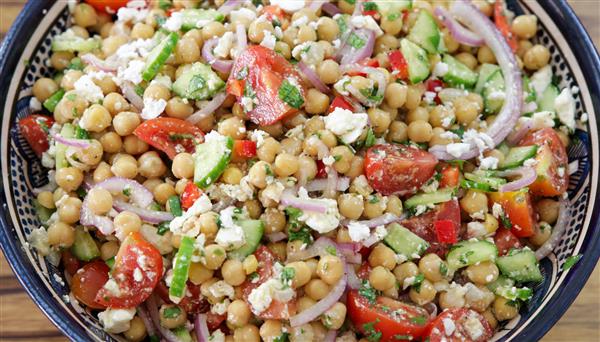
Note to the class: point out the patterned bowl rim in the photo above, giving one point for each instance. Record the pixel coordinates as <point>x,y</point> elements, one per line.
<point>558,12</point>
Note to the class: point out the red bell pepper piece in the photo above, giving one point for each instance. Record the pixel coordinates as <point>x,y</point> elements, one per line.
<point>503,25</point>
<point>244,149</point>
<point>321,172</point>
<point>399,64</point>
<point>190,194</point>
<point>445,230</point>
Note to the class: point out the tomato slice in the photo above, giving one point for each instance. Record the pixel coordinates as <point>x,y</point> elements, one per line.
<point>70,263</point>
<point>518,207</point>
<point>107,6</point>
<point>170,135</point>
<point>551,156</point>
<point>190,194</point>
<point>469,326</point>
<point>87,281</point>
<point>392,319</point>
<point>262,71</point>
<point>213,320</point>
<point>450,176</point>
<point>321,172</point>
<point>398,169</point>
<point>505,241</point>
<point>339,102</point>
<point>503,25</point>
<point>275,13</point>
<point>277,310</point>
<point>138,268</point>
<point>435,86</point>
<point>243,149</point>
<point>35,130</point>
<point>424,226</point>
<point>398,64</point>
<point>446,231</point>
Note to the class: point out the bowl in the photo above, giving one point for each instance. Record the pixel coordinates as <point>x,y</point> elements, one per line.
<point>24,57</point>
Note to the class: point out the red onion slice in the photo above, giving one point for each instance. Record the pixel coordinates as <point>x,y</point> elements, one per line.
<point>152,307</point>
<point>140,195</point>
<point>308,204</point>
<point>559,228</point>
<point>70,153</point>
<point>314,79</point>
<point>528,176</point>
<point>209,108</point>
<point>201,328</point>
<point>382,220</point>
<point>330,9</point>
<point>150,216</point>
<point>78,143</point>
<point>93,60</point>
<point>353,281</point>
<point>521,130</point>
<point>319,247</point>
<point>229,6</point>
<point>276,237</point>
<point>223,66</point>
<point>88,218</point>
<point>343,183</point>
<point>350,55</point>
<point>458,32</point>
<point>323,305</point>
<point>331,335</point>
<point>315,5</point>
<point>131,96</point>
<point>242,38</point>
<point>332,180</point>
<point>145,316</point>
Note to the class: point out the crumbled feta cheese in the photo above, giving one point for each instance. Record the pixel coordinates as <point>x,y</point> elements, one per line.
<point>447,122</point>
<point>321,222</point>
<point>153,108</point>
<point>137,274</point>
<point>336,44</point>
<point>271,194</point>
<point>243,15</point>
<point>240,192</point>
<point>530,162</point>
<point>87,89</point>
<point>311,53</point>
<point>497,95</point>
<point>408,282</point>
<point>269,40</point>
<point>224,45</point>
<point>300,21</point>
<point>221,289</point>
<point>258,136</point>
<point>174,22</point>
<point>329,160</point>
<point>162,80</point>
<point>488,163</point>
<point>112,287</point>
<point>574,90</point>
<point>440,69</point>
<point>480,140</point>
<point>564,104</point>
<point>473,327</point>
<point>422,208</point>
<point>429,97</point>
<point>116,321</point>
<point>132,73</point>
<point>217,336</point>
<point>457,149</point>
<point>34,104</point>
<point>542,120</point>
<point>38,239</point>
<point>497,210</point>
<point>560,171</point>
<point>261,297</point>
<point>200,206</point>
<point>221,307</point>
<point>541,79</point>
<point>358,231</point>
<point>476,229</point>
<point>584,117</point>
<point>340,85</point>
<point>449,326</point>
<point>248,103</point>
<point>348,126</point>
<point>231,235</point>
<point>366,22</point>
<point>135,15</point>
<point>430,186</point>
<point>289,6</point>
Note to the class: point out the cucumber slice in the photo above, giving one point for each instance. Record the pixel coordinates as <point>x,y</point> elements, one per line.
<point>458,75</point>
<point>493,93</point>
<point>175,205</point>
<point>440,196</point>
<point>485,71</point>
<point>470,252</point>
<point>159,55</point>
<point>528,90</point>
<point>197,18</point>
<point>517,156</point>
<point>426,33</point>
<point>387,7</point>
<point>520,265</point>
<point>42,212</point>
<point>67,131</point>
<point>417,60</point>
<point>546,99</point>
<point>199,82</point>
<point>500,282</point>
<point>68,41</point>
<point>493,182</point>
<point>469,184</point>
<point>405,242</point>
<point>183,334</point>
<point>211,159</point>
<point>183,260</point>
<point>503,147</point>
<point>84,247</point>
<point>51,102</point>
<point>253,232</point>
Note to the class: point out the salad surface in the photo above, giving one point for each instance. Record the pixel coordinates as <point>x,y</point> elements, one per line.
<point>296,170</point>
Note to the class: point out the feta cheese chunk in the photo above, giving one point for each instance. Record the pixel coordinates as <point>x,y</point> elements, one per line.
<point>116,321</point>
<point>230,236</point>
<point>186,223</point>
<point>366,22</point>
<point>358,231</point>
<point>290,6</point>
<point>261,297</point>
<point>321,222</point>
<point>153,108</point>
<point>541,79</point>
<point>457,149</point>
<point>348,126</point>
<point>174,22</point>
<point>87,89</point>
<point>133,72</point>
<point>488,163</point>
<point>224,45</point>
<point>269,40</point>
<point>221,289</point>
<point>38,239</point>
<point>565,108</point>
<point>311,53</point>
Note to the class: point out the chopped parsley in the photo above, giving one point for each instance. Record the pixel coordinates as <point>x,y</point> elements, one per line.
<point>371,333</point>
<point>303,234</point>
<point>160,20</point>
<point>163,227</point>
<point>127,191</point>
<point>373,199</point>
<point>76,64</point>
<point>81,133</point>
<point>290,94</point>
<point>337,158</point>
<point>571,261</point>
<point>293,215</point>
<point>164,4</point>
<point>393,16</point>
<point>368,292</point>
<point>505,221</point>
<point>370,139</point>
<point>258,3</point>
<point>282,338</point>
<point>419,320</point>
<point>172,312</point>
<point>371,94</point>
<point>180,136</point>
<point>43,125</point>
<point>460,131</point>
<point>155,206</point>
<point>268,170</point>
<point>417,282</point>
<point>403,337</point>
<point>464,258</point>
<point>331,250</point>
<point>443,269</point>
<point>139,90</point>
<point>356,41</point>
<point>370,6</point>
<point>242,74</point>
<point>351,2</point>
<point>287,274</point>
<point>154,338</point>
<point>81,192</point>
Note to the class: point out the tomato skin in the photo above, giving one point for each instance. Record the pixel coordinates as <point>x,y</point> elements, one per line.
<point>190,194</point>
<point>339,102</point>
<point>361,312</point>
<point>264,70</point>
<point>450,176</point>
<point>503,26</point>
<point>435,86</point>
<point>446,231</point>
<point>551,156</point>
<point>166,134</point>
<point>87,281</point>
<point>134,253</point>
<point>505,241</point>
<point>423,225</point>
<point>277,310</point>
<point>70,263</point>
<point>437,333</point>
<point>518,207</point>
<point>33,131</point>
<point>321,171</point>
<point>399,64</point>
<point>112,5</point>
<point>398,169</point>
<point>243,150</point>
<point>213,320</point>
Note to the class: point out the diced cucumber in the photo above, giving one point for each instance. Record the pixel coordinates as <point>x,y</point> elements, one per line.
<point>520,265</point>
<point>159,55</point>
<point>417,60</point>
<point>67,131</point>
<point>493,182</point>
<point>42,212</point>
<point>181,268</point>
<point>405,242</point>
<point>529,92</point>
<point>426,33</point>
<point>84,247</point>
<point>469,184</point>
<point>501,281</point>
<point>440,196</point>
<point>485,71</point>
<point>546,99</point>
<point>503,147</point>
<point>387,7</point>
<point>68,41</point>
<point>493,93</point>
<point>253,232</point>
<point>175,205</point>
<point>199,82</point>
<point>183,334</point>
<point>517,156</point>
<point>51,102</point>
<point>466,253</point>
<point>458,75</point>
<point>515,293</point>
<point>211,159</point>
<point>110,262</point>
<point>197,18</point>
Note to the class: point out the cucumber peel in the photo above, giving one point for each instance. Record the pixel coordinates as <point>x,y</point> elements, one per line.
<point>183,260</point>
<point>211,159</point>
<point>466,253</point>
<point>84,247</point>
<point>159,55</point>
<point>253,232</point>
<point>405,242</point>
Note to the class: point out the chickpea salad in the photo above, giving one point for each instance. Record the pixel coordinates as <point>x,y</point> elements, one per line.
<point>295,170</point>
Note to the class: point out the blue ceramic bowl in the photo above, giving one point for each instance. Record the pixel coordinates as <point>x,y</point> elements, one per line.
<point>23,58</point>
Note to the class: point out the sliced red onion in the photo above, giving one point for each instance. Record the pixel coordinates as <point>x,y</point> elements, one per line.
<point>331,335</point>
<point>140,195</point>
<point>201,328</point>
<point>371,240</point>
<point>150,216</point>
<point>69,153</point>
<point>332,180</point>
<point>131,96</point>
<point>308,204</point>
<point>358,108</point>
<point>521,130</point>
<point>314,79</point>
<point>343,183</point>
<point>330,9</point>
<point>353,281</point>
<point>223,66</point>
<point>352,257</point>
<point>145,316</point>
<point>88,218</point>
<point>229,6</point>
<point>319,247</point>
<point>559,228</point>
<point>208,109</point>
<point>78,143</point>
<point>527,176</point>
<point>93,60</point>
<point>382,220</point>
<point>152,307</point>
<point>350,55</point>
<point>511,109</point>
<point>315,5</point>
<point>276,237</point>
<point>323,305</point>
<point>432,309</point>
<point>458,32</point>
<point>242,38</point>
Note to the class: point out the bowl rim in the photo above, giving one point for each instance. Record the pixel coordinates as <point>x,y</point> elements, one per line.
<point>562,16</point>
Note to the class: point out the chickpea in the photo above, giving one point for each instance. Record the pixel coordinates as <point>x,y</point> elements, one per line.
<point>482,273</point>
<point>489,316</point>
<point>115,103</point>
<point>112,43</point>
<point>330,269</point>
<point>329,71</point>
<point>405,270</point>
<point>374,206</point>
<point>302,274</point>
<point>69,210</point>
<point>253,208</point>
<point>46,199</point>
<point>303,332</point>
<point>178,108</point>
<point>151,165</point>
<point>247,333</point>
<point>524,26</point>
<point>316,102</point>
<point>474,202</point>
<point>396,94</point>
<point>351,205</point>
<point>391,24</point>
<point>414,94</point>
<point>102,172</point>
<point>43,88</point>
<point>61,234</point>
<point>422,294</point>
<point>306,34</point>
<point>548,210</point>
<point>70,107</point>
<point>111,143</point>
<point>256,31</point>
<point>307,168</point>
<point>60,60</point>
<point>69,178</point>
<point>125,166</point>
<point>317,289</point>
<point>486,55</point>
<point>451,299</point>
<point>95,119</point>
<point>467,59</point>
<point>232,175</point>
<point>334,317</point>
<point>381,278</point>
<point>466,111</point>
<point>327,29</point>
<point>199,274</point>
<point>215,256</point>
<point>172,316</point>
<point>420,131</point>
<point>398,132</point>
<point>125,123</point>
<point>99,200</point>
<point>343,158</point>
<point>274,220</point>
<point>479,299</point>
<point>537,57</point>
<point>183,165</point>
<point>504,309</point>
<point>286,165</point>
<point>258,173</point>
<point>386,43</point>
<point>233,127</point>
<point>433,267</point>
<point>233,272</point>
<point>238,313</point>
<point>382,255</point>
<point>136,331</point>
<point>85,15</point>
<point>268,150</point>
<point>271,330</point>
<point>380,120</point>
<point>214,29</point>
<point>541,234</point>
<point>127,222</point>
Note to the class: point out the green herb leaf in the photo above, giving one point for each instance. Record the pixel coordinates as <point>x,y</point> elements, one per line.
<point>355,41</point>
<point>417,282</point>
<point>419,320</point>
<point>197,83</point>
<point>171,312</point>
<point>81,133</point>
<point>373,199</point>
<point>368,292</point>
<point>290,94</point>
<point>443,269</point>
<point>139,90</point>
<point>331,250</point>
<point>506,223</point>
<point>571,261</point>
<point>403,337</point>
<point>175,205</point>
<point>303,234</point>
<point>76,64</point>
<point>351,2</point>
<point>371,333</point>
<point>287,274</point>
<point>460,131</point>
<point>393,16</point>
<point>370,6</point>
<point>164,4</point>
<point>370,139</point>
<point>163,227</point>
<point>282,338</point>
<point>127,191</point>
<point>371,94</point>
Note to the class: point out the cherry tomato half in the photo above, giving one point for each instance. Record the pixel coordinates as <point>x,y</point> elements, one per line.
<point>170,135</point>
